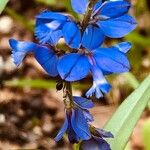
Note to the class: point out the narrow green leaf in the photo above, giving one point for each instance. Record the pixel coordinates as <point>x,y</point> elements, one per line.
<point>2,5</point>
<point>39,84</point>
<point>125,118</point>
<point>36,83</point>
<point>146,135</point>
<point>138,39</point>
<point>47,2</point>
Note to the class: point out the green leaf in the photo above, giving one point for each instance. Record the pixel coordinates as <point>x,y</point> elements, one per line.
<point>125,118</point>
<point>138,39</point>
<point>47,2</point>
<point>29,83</point>
<point>39,84</point>
<point>2,5</point>
<point>146,135</point>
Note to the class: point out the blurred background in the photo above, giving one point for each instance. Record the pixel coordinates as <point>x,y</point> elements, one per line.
<point>31,111</point>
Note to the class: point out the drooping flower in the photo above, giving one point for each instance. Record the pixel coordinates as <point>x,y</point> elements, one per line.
<point>107,19</point>
<point>76,121</point>
<point>44,55</point>
<point>97,142</point>
<point>100,62</point>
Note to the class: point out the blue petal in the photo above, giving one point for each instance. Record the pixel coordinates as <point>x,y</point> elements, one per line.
<point>90,145</point>
<point>79,6</point>
<point>47,59</point>
<point>79,124</point>
<point>118,27</point>
<point>95,144</point>
<point>83,102</point>
<point>88,116</point>
<point>102,144</point>
<point>111,60</point>
<point>55,36</point>
<point>104,134</point>
<point>93,37</point>
<point>94,90</point>
<point>123,46</point>
<point>62,130</point>
<point>114,9</point>
<point>72,34</point>
<point>72,136</point>
<point>99,83</point>
<point>115,0</point>
<point>48,16</point>
<point>97,6</point>
<point>73,67</point>
<point>49,32</point>
<point>20,49</point>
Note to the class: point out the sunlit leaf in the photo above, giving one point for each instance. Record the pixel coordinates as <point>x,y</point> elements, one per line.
<point>125,118</point>
<point>47,2</point>
<point>146,135</point>
<point>39,84</point>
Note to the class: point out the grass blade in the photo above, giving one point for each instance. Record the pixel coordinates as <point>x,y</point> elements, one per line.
<point>125,118</point>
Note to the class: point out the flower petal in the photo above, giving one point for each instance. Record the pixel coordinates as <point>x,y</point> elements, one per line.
<point>72,136</point>
<point>118,27</point>
<point>93,37</point>
<point>99,83</point>
<point>20,49</point>
<point>95,144</point>
<point>88,116</point>
<point>83,102</point>
<point>97,6</point>
<point>111,60</point>
<point>47,59</point>
<point>123,46</point>
<point>47,16</point>
<point>89,145</point>
<point>72,34</point>
<point>79,124</point>
<point>104,134</point>
<point>102,144</point>
<point>79,6</point>
<point>114,9</point>
<point>48,27</point>
<point>49,32</point>
<point>73,67</point>
<point>62,130</point>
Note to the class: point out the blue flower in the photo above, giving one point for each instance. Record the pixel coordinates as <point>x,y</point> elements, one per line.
<point>97,142</point>
<point>100,62</point>
<point>107,19</point>
<point>45,56</point>
<point>75,124</point>
<point>51,26</point>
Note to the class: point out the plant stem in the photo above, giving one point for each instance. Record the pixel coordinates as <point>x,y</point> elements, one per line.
<point>67,91</point>
<point>68,99</point>
<point>87,16</point>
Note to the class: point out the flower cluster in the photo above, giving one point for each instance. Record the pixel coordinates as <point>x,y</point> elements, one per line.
<point>100,20</point>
